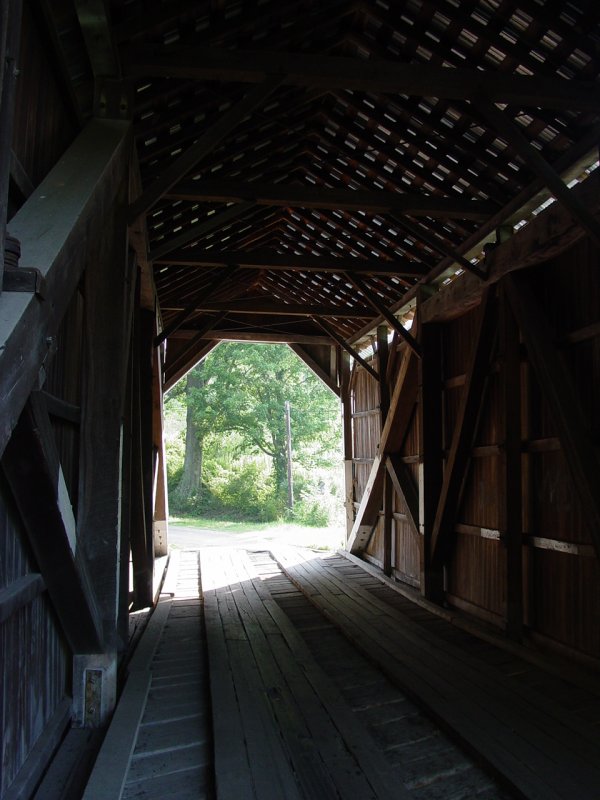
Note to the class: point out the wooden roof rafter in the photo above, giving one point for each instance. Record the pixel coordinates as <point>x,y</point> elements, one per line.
<point>333,72</point>
<point>272,261</point>
<point>224,191</point>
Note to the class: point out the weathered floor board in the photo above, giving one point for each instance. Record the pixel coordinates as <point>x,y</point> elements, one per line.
<point>541,748</point>
<point>310,744</point>
<point>293,676</point>
<point>161,746</point>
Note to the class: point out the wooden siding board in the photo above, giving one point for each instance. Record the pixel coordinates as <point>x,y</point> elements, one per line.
<point>566,599</point>
<point>43,125</point>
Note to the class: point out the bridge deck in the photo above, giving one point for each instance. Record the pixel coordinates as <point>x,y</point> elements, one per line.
<point>299,676</point>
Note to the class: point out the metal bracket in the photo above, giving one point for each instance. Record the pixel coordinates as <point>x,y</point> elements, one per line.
<point>113,99</point>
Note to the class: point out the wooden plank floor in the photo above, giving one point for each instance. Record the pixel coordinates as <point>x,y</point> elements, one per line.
<point>311,666</point>
<point>168,724</point>
<point>530,732</point>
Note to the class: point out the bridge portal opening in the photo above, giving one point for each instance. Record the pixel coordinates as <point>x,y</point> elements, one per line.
<point>254,448</point>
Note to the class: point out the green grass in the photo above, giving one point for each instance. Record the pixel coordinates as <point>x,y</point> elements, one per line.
<point>225,525</point>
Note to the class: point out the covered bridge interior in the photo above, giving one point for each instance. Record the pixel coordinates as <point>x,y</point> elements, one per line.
<point>406,194</point>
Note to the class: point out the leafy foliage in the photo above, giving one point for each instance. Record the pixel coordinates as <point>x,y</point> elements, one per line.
<point>235,409</point>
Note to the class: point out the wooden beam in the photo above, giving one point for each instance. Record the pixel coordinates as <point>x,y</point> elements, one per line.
<point>30,463</point>
<point>140,533</point>
<point>315,367</point>
<point>511,132</point>
<point>160,499</point>
<point>510,484</point>
<point>431,456</point>
<point>203,295</point>
<point>20,593</point>
<point>10,40</point>
<point>394,431</point>
<point>559,392</point>
<point>137,235</point>
<point>97,34</point>
<point>464,431</point>
<point>345,346</point>
<point>109,286</point>
<point>185,354</point>
<point>405,488</point>
<point>347,441</point>
<point>201,229</point>
<point>374,75</point>
<point>309,196</point>
<point>277,308</point>
<point>19,177</point>
<point>551,233</point>
<point>269,259</point>
<point>388,524</point>
<point>383,354</point>
<point>178,370</point>
<point>438,246</point>
<point>257,335</point>
<point>58,227</point>
<point>394,323</point>
<point>210,139</point>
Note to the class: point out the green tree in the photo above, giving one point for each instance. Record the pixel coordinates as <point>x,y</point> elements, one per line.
<point>244,387</point>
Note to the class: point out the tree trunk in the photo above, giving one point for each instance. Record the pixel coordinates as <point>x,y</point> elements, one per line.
<point>190,484</point>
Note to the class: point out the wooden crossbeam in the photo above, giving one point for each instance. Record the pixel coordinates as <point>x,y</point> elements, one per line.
<point>551,233</point>
<point>97,33</point>
<point>205,145</point>
<point>254,306</point>
<point>184,363</point>
<point>57,227</point>
<point>348,348</point>
<point>405,488</point>
<point>315,367</point>
<point>394,431</point>
<point>559,392</point>
<point>200,229</point>
<point>185,313</point>
<point>30,463</point>
<point>187,351</point>
<point>257,335</point>
<point>431,464</point>
<point>374,75</point>
<point>535,161</point>
<point>269,259</point>
<point>465,429</point>
<point>412,203</point>
<point>511,490</point>
<point>383,355</point>
<point>439,247</point>
<point>394,323</point>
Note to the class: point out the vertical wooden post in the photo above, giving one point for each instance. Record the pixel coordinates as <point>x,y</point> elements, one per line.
<point>384,407</point>
<point>10,39</point>
<point>108,303</point>
<point>141,533</point>
<point>288,448</point>
<point>382,364</point>
<point>511,523</point>
<point>347,437</point>
<point>161,501</point>
<point>431,455</point>
<point>388,523</point>
<point>147,334</point>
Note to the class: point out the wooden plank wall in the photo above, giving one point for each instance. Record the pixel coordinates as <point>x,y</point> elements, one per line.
<point>44,125</point>
<point>34,660</point>
<point>561,571</point>
<point>366,424</point>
